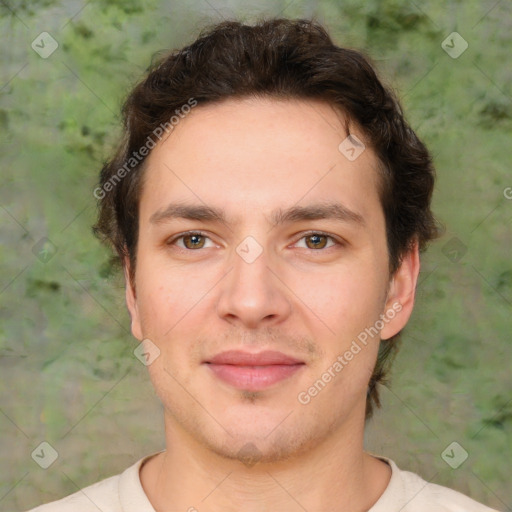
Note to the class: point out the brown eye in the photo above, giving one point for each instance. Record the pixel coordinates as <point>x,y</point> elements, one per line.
<point>317,241</point>
<point>193,241</point>
<point>190,241</point>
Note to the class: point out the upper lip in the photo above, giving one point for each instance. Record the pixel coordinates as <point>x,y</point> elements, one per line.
<point>240,358</point>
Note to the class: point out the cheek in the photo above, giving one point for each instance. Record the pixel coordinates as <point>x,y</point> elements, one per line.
<point>168,297</point>
<point>155,312</point>
<point>346,299</point>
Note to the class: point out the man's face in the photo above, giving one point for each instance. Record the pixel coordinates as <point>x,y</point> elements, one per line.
<point>250,285</point>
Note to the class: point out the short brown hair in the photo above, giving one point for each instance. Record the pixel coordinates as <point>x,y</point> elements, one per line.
<point>277,58</point>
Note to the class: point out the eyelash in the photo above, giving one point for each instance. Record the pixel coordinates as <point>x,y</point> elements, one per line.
<point>305,235</point>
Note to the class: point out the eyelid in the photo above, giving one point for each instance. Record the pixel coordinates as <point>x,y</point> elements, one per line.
<point>337,240</point>
<point>175,238</point>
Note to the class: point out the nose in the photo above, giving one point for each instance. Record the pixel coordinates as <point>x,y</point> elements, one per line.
<point>252,294</point>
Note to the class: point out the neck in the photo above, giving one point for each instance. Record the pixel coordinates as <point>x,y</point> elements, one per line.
<point>334,475</point>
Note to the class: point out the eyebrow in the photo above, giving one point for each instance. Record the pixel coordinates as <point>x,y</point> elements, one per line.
<point>335,211</point>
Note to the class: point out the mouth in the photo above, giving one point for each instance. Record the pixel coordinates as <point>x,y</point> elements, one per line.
<point>253,372</point>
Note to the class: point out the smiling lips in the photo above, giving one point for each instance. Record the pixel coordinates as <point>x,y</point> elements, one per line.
<point>253,372</point>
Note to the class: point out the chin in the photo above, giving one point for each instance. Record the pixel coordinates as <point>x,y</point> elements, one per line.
<point>256,451</point>
<point>265,443</point>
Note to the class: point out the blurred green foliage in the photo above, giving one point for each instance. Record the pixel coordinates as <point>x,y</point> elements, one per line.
<point>66,355</point>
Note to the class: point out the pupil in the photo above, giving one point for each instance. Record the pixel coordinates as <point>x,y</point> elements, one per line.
<point>315,239</point>
<point>194,240</point>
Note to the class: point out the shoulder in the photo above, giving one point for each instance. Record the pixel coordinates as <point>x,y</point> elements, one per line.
<point>117,493</point>
<point>424,495</point>
<point>103,495</point>
<point>408,492</point>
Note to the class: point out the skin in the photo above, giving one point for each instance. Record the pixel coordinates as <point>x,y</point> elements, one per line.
<point>306,297</point>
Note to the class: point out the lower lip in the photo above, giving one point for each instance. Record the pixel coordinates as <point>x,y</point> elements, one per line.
<point>254,378</point>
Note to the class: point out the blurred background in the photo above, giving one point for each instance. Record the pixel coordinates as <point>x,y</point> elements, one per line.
<point>68,373</point>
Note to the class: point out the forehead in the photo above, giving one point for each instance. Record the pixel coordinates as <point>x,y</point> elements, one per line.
<point>253,154</point>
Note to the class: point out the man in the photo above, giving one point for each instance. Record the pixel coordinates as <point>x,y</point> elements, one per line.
<point>268,204</point>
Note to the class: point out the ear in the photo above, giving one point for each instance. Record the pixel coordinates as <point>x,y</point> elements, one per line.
<point>401,293</point>
<point>131,301</point>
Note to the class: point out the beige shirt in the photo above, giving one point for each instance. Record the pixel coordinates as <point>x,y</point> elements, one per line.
<point>406,492</point>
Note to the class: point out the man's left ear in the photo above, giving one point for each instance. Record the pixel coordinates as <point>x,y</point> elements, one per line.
<point>131,301</point>
<point>402,290</point>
